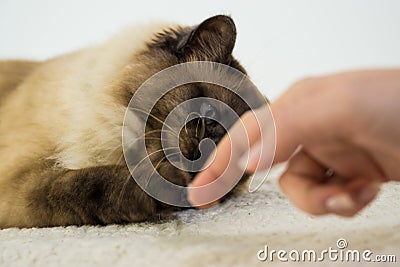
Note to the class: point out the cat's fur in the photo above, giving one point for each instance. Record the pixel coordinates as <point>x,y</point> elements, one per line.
<point>61,159</point>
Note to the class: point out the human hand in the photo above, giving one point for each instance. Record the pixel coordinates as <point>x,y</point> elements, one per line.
<point>339,133</point>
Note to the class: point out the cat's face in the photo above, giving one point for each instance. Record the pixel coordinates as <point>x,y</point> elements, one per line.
<point>213,40</point>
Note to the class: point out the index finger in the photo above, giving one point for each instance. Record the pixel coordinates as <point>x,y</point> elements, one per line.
<point>224,172</point>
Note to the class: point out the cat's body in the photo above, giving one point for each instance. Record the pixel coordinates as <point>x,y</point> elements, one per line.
<point>61,159</point>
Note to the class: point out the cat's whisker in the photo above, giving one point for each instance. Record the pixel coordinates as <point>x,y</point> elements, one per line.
<point>154,117</point>
<point>154,152</point>
<point>202,128</point>
<point>123,189</point>
<point>160,130</point>
<point>112,151</point>
<point>151,138</point>
<point>127,179</point>
<point>155,168</point>
<point>143,137</point>
<point>130,175</point>
<point>186,130</point>
<point>121,157</point>
<point>187,117</point>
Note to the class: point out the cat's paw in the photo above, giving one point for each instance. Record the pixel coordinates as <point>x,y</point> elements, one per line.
<point>99,195</point>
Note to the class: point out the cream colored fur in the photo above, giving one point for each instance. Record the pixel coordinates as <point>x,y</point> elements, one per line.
<point>65,110</point>
<point>66,99</point>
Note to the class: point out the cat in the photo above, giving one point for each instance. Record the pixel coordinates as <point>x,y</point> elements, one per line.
<point>61,120</point>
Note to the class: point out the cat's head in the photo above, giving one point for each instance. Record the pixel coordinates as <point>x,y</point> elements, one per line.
<point>212,40</point>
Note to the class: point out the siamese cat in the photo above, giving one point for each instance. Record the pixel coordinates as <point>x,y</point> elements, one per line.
<point>61,158</point>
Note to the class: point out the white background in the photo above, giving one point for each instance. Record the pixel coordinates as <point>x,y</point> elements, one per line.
<point>278,41</point>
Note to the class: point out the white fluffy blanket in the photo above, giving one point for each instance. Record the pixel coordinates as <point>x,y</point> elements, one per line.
<point>227,235</point>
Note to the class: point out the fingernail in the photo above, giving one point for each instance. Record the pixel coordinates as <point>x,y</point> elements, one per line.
<point>340,203</point>
<point>248,159</point>
<point>368,193</point>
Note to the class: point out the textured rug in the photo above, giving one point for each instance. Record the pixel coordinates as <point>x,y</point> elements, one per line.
<point>231,234</point>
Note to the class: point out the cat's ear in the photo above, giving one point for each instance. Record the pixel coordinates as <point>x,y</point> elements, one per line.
<point>212,40</point>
